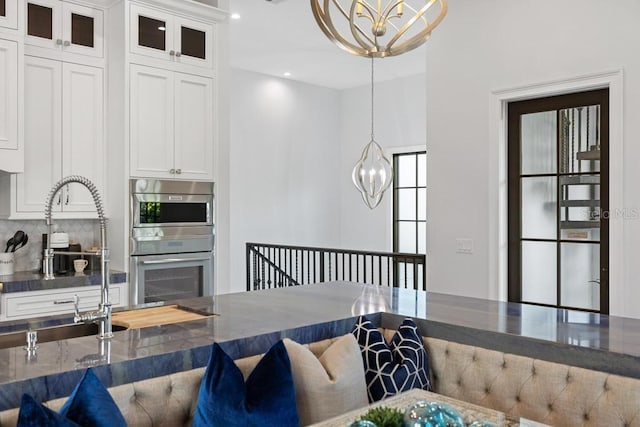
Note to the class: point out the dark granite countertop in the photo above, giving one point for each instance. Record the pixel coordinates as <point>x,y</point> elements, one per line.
<point>249,323</point>
<point>23,281</point>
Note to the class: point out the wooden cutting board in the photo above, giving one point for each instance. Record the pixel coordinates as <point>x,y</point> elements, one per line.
<point>154,316</point>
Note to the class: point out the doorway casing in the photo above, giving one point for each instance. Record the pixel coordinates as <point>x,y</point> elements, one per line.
<point>498,243</point>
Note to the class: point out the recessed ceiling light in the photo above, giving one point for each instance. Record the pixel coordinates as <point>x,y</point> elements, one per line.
<point>235,16</point>
<point>162,28</point>
<point>287,74</point>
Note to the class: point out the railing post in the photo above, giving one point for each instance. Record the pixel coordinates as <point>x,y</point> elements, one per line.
<point>321,266</point>
<point>248,267</point>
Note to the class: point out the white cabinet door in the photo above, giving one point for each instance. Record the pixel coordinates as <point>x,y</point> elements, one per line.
<point>82,30</point>
<point>82,133</point>
<point>42,145</point>
<point>44,23</point>
<point>151,122</point>
<point>9,13</point>
<point>194,127</point>
<point>8,95</point>
<point>150,33</point>
<point>193,42</point>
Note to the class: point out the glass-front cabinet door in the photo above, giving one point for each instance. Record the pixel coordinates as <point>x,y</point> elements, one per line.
<point>150,34</point>
<point>66,27</point>
<point>161,35</point>
<point>194,41</point>
<point>44,21</point>
<point>9,13</point>
<point>82,30</point>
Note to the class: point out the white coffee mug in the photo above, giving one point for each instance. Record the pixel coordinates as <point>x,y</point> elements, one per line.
<point>7,261</point>
<point>79,265</point>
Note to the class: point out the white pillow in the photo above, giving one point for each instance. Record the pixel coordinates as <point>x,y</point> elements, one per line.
<point>329,385</point>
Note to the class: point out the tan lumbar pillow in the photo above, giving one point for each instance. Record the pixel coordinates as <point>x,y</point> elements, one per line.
<point>329,385</point>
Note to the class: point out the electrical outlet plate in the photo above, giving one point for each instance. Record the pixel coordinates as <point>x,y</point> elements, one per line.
<point>464,246</point>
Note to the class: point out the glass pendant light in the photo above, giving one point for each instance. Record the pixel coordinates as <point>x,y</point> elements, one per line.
<point>373,173</point>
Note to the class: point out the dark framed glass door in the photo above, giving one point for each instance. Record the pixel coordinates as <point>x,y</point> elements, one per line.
<point>558,196</point>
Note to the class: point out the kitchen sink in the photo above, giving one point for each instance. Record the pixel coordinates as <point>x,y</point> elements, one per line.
<point>18,339</point>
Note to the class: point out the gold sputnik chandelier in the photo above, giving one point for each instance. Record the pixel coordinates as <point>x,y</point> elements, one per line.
<point>378,28</point>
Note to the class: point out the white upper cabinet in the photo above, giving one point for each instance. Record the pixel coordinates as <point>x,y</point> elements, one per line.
<point>172,124</point>
<point>64,121</point>
<point>158,34</point>
<point>8,95</point>
<point>64,28</point>
<point>9,14</point>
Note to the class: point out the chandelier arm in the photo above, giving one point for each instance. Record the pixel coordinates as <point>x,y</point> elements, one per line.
<point>368,9</point>
<point>422,35</point>
<point>351,19</point>
<point>390,7</point>
<point>324,22</point>
<point>356,31</point>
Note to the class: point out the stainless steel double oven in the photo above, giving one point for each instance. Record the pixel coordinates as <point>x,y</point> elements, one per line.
<point>172,239</point>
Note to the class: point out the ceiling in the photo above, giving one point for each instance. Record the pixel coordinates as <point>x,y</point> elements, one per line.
<point>278,36</point>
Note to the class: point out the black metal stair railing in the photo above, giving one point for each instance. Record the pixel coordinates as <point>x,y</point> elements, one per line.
<point>275,266</point>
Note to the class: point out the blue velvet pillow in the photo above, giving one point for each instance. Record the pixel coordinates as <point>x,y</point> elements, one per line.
<point>391,369</point>
<point>267,399</point>
<point>90,405</point>
<point>34,414</point>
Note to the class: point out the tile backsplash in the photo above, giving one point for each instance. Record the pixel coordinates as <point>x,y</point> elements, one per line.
<point>83,231</point>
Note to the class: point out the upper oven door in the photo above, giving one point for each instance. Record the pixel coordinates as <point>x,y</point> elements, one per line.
<point>154,210</point>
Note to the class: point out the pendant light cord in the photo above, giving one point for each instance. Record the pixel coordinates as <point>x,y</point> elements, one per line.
<point>372,136</point>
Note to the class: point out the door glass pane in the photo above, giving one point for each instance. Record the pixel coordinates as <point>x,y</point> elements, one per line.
<point>407,240</point>
<point>422,204</point>
<point>539,208</point>
<point>422,170</point>
<point>580,139</point>
<point>3,7</point>
<point>81,30</point>
<point>539,143</point>
<point>406,170</point>
<point>580,207</point>
<point>40,21</point>
<point>193,43</point>
<point>407,204</point>
<point>422,237</point>
<point>580,275</point>
<point>539,278</point>
<point>152,33</point>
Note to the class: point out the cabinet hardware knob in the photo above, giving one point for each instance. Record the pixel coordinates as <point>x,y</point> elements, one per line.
<point>178,171</point>
<point>172,52</point>
<point>58,42</point>
<point>178,54</point>
<point>172,171</point>
<point>67,43</point>
<point>59,199</point>
<point>67,200</point>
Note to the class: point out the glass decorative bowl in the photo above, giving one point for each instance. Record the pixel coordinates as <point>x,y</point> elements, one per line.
<point>362,423</point>
<point>432,414</point>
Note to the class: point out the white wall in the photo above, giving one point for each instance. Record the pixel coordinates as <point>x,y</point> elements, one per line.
<point>400,111</point>
<point>480,48</point>
<point>284,168</point>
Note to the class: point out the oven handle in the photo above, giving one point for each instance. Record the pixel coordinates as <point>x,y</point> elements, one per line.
<point>173,260</point>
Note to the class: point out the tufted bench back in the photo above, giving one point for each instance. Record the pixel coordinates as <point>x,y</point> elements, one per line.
<point>551,393</point>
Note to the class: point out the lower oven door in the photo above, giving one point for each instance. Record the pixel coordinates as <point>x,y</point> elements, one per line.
<point>171,276</point>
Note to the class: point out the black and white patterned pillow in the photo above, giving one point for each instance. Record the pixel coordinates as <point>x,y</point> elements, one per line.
<point>399,366</point>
